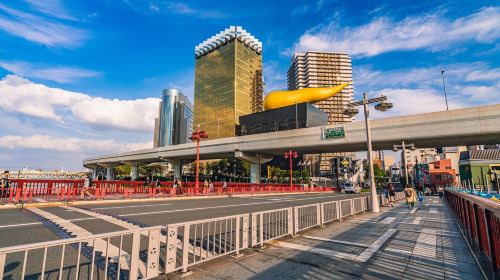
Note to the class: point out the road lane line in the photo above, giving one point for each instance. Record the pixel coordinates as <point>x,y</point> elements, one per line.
<point>368,253</point>
<point>214,207</point>
<point>417,221</point>
<point>325,252</point>
<point>21,225</point>
<point>335,241</point>
<point>433,211</point>
<point>412,211</point>
<point>130,206</point>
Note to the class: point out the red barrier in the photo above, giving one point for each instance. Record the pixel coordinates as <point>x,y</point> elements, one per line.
<point>480,221</point>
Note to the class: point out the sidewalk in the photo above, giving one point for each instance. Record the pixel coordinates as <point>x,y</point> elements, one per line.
<point>423,243</point>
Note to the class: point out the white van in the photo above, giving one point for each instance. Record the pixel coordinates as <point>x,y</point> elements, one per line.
<point>350,187</point>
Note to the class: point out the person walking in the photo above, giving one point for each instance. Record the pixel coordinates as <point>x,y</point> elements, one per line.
<point>440,191</point>
<point>411,196</point>
<point>391,194</point>
<point>224,186</point>
<point>205,186</point>
<point>210,186</point>
<point>5,186</point>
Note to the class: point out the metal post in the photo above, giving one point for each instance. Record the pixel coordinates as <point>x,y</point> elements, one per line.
<point>296,117</point>
<point>373,190</point>
<point>197,160</point>
<point>291,176</point>
<point>404,162</point>
<point>444,88</point>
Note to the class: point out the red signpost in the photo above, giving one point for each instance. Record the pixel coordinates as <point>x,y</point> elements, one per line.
<point>196,136</point>
<point>291,154</point>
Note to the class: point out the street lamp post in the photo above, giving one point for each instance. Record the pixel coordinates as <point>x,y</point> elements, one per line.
<point>403,147</point>
<point>196,136</point>
<point>351,110</point>
<point>291,154</point>
<point>444,88</point>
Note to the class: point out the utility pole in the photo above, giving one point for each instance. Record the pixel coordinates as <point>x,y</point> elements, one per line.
<point>444,88</point>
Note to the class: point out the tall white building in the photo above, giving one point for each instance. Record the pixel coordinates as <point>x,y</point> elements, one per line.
<point>324,69</point>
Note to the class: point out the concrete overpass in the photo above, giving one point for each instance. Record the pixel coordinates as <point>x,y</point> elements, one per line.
<point>468,126</point>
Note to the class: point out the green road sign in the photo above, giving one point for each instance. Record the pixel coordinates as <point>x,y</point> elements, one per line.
<point>337,132</point>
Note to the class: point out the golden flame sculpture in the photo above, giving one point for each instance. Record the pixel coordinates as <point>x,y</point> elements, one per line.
<point>278,99</point>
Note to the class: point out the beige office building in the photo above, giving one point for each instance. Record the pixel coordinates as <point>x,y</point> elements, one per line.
<point>228,81</point>
<point>324,69</point>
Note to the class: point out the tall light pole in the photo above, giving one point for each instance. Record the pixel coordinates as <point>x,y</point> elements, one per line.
<point>351,110</point>
<point>444,88</point>
<point>291,154</point>
<point>196,136</point>
<point>403,148</point>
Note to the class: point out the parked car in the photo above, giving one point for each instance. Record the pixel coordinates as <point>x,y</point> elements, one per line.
<point>350,187</point>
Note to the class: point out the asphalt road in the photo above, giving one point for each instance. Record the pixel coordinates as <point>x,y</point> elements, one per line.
<point>23,227</point>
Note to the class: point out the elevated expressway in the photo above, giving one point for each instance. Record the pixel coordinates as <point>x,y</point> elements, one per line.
<point>468,126</point>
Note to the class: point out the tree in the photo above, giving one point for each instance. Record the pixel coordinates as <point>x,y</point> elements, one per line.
<point>122,171</point>
<point>152,170</point>
<point>380,175</point>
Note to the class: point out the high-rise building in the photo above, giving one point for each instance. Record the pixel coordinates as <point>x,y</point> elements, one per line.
<point>228,81</point>
<point>324,69</point>
<point>175,123</point>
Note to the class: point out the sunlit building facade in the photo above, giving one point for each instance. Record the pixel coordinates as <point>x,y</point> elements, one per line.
<point>228,81</point>
<point>324,69</point>
<point>175,123</point>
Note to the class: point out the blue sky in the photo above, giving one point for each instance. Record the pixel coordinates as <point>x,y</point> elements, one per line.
<point>81,78</point>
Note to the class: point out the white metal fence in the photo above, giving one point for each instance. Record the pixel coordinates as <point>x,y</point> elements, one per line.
<point>147,252</point>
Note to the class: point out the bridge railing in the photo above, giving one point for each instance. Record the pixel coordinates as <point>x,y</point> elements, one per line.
<point>29,190</point>
<point>479,220</point>
<point>147,252</point>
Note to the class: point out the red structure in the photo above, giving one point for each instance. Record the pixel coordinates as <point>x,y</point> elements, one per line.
<point>291,154</point>
<point>196,136</point>
<point>442,173</point>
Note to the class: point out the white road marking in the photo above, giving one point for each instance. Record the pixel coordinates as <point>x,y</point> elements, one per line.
<point>433,211</point>
<point>375,246</point>
<point>99,245</point>
<point>417,220</point>
<point>215,207</point>
<point>20,225</point>
<point>388,220</point>
<point>336,241</point>
<point>412,211</point>
<point>426,244</point>
<point>325,252</point>
<point>130,206</point>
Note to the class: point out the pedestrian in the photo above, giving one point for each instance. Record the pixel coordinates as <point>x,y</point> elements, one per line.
<point>86,187</point>
<point>411,196</point>
<point>5,185</point>
<point>420,196</point>
<point>210,186</point>
<point>440,192</point>
<point>391,193</point>
<point>224,187</point>
<point>427,191</point>
<point>205,186</point>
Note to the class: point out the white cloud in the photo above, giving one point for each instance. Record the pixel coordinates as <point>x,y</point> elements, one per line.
<point>48,142</point>
<point>60,74</point>
<point>36,100</point>
<point>53,8</point>
<point>413,101</point>
<point>431,32</point>
<point>40,30</point>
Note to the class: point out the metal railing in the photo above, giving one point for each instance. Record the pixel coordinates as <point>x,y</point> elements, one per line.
<point>147,252</point>
<point>31,190</point>
<point>479,220</point>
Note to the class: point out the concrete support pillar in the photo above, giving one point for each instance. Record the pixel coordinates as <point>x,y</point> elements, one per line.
<point>255,173</point>
<point>177,170</point>
<point>109,173</point>
<point>135,172</point>
<point>94,173</point>
<point>255,160</point>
